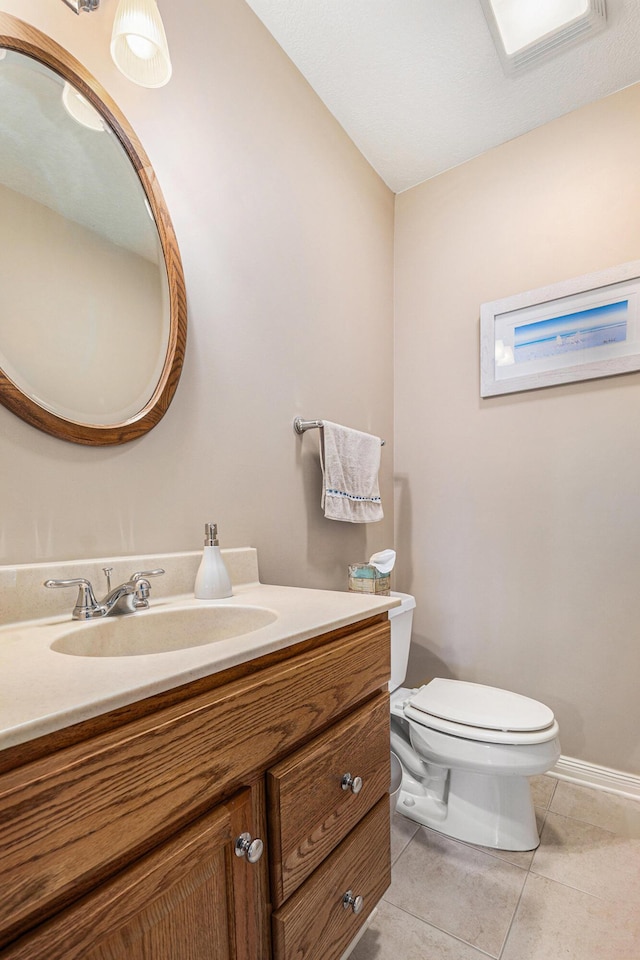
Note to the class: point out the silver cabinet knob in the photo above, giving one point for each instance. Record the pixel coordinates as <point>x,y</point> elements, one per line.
<point>356,903</point>
<point>352,783</point>
<point>246,847</point>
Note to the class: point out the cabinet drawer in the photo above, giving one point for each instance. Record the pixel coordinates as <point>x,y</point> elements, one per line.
<point>309,812</point>
<point>314,924</point>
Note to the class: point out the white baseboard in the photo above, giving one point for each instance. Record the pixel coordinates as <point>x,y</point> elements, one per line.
<point>601,778</point>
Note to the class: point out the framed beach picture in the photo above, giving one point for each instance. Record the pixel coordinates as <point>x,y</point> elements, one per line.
<point>578,329</point>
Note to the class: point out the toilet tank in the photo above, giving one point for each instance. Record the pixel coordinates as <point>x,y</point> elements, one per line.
<point>401,619</point>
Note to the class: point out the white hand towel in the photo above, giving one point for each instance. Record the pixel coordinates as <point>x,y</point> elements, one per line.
<point>350,463</point>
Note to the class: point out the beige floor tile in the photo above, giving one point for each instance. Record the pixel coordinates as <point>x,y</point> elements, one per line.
<point>589,858</point>
<point>542,790</point>
<point>402,830</point>
<point>395,935</point>
<point>462,891</point>
<point>554,921</point>
<point>608,810</point>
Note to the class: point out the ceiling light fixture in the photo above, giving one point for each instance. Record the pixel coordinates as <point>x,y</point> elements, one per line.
<point>138,43</point>
<point>527,32</point>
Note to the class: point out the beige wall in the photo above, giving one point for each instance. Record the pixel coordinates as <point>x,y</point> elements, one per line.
<point>518,517</point>
<point>286,236</point>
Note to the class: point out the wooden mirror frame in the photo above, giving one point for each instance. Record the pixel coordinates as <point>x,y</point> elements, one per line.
<point>20,36</point>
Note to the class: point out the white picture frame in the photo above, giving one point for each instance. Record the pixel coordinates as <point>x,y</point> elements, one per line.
<point>578,329</point>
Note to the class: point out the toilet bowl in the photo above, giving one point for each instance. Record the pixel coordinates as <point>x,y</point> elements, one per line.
<point>467,751</point>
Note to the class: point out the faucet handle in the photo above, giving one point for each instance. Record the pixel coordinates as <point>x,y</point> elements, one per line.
<point>141,595</point>
<point>86,602</point>
<point>144,574</point>
<point>143,587</point>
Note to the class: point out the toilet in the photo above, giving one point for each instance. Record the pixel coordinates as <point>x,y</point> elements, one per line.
<point>467,751</point>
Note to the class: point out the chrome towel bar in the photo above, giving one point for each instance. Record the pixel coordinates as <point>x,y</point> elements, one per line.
<point>300,426</point>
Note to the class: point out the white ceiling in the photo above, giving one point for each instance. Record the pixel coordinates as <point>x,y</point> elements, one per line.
<point>418,86</point>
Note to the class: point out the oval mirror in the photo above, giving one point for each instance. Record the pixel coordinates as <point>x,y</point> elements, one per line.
<point>93,309</point>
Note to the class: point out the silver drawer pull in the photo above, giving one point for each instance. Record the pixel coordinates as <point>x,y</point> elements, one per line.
<point>246,847</point>
<point>356,903</point>
<point>352,783</point>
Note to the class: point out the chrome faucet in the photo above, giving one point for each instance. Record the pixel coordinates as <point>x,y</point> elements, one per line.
<point>128,597</point>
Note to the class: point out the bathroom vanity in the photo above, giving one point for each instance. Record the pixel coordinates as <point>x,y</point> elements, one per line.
<point>135,832</point>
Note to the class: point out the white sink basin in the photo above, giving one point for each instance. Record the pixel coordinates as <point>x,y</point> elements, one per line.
<point>161,630</point>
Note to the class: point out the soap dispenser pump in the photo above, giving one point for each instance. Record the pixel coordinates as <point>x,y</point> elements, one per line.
<point>212,579</point>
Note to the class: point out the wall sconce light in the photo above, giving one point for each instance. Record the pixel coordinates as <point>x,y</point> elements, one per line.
<point>138,43</point>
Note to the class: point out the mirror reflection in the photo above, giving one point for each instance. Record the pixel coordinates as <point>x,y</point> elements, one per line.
<point>85,324</point>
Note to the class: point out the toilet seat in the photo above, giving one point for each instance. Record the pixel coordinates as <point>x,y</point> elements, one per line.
<point>477,712</point>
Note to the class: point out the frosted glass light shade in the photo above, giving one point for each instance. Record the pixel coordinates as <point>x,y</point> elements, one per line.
<point>139,44</point>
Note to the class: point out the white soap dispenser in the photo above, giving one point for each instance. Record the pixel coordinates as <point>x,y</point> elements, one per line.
<point>212,579</point>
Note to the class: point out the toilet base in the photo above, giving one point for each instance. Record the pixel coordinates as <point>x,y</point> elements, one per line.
<point>492,811</point>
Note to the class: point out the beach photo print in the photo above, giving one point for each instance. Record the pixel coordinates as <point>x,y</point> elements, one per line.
<point>579,329</point>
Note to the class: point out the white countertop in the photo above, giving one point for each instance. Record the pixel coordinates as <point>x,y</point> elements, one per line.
<point>42,690</point>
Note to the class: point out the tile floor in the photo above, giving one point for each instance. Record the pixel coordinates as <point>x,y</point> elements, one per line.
<point>577,897</point>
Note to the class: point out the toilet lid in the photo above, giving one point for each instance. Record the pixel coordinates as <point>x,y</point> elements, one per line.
<point>475,705</point>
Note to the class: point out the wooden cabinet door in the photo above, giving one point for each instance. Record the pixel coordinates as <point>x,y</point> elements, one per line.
<point>190,899</point>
